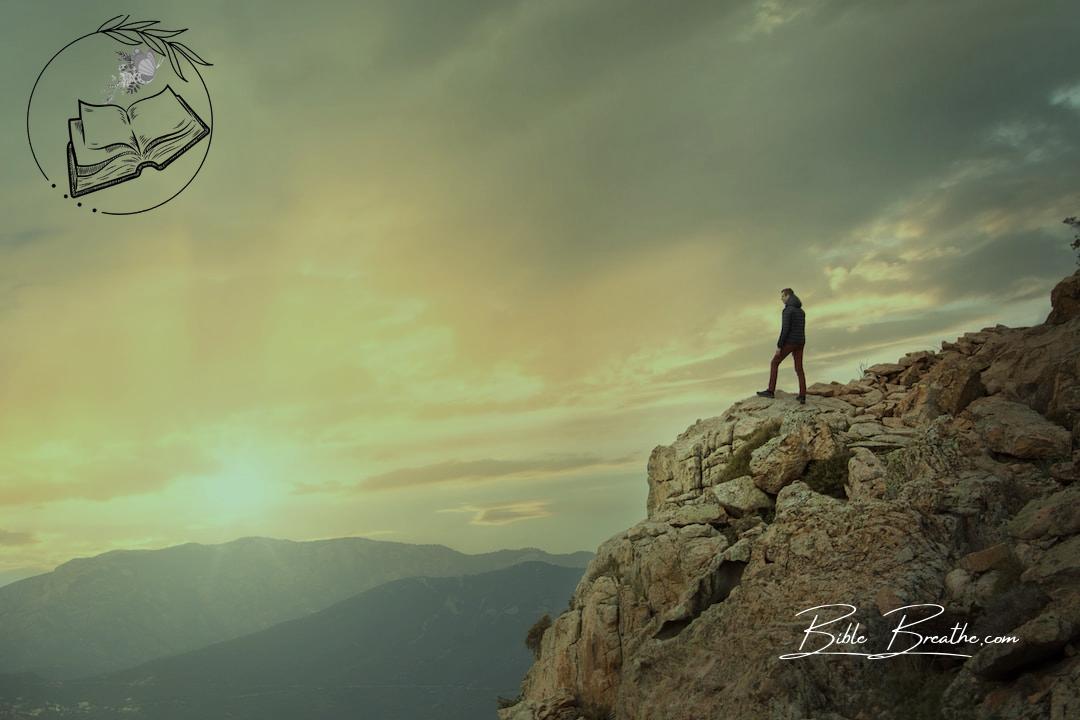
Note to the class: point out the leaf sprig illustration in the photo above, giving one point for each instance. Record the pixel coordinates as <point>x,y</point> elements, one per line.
<point>143,32</point>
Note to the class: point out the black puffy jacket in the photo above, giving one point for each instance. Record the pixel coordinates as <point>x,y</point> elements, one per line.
<point>793,325</point>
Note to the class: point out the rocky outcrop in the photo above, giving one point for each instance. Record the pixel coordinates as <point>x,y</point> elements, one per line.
<point>1065,301</point>
<point>1012,428</point>
<point>1054,515</point>
<point>944,479</point>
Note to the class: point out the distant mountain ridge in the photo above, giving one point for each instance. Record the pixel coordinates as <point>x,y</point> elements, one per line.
<point>409,649</point>
<point>124,607</point>
<point>9,576</point>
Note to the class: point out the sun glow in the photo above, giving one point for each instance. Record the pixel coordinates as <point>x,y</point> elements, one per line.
<point>241,487</point>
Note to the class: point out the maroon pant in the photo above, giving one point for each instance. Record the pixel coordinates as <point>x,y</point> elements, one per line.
<point>796,352</point>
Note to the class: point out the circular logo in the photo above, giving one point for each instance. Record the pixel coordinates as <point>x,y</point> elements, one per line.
<point>119,121</point>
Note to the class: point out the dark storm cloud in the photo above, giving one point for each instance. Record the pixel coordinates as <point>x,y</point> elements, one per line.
<point>631,125</point>
<point>571,135</point>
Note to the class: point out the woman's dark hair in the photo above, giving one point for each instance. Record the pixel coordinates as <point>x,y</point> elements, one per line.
<point>787,291</point>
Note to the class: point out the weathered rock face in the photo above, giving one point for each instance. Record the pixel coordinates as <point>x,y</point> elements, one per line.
<point>946,478</point>
<point>740,496</point>
<point>866,476</point>
<point>1065,300</point>
<point>1014,429</point>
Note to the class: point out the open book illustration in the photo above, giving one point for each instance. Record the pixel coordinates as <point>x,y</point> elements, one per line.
<point>110,145</point>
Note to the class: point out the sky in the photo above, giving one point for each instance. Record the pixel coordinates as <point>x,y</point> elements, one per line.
<point>451,270</point>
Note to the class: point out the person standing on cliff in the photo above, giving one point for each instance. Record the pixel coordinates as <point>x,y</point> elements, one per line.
<point>791,342</point>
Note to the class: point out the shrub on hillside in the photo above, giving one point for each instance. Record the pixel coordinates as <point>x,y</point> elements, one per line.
<point>829,477</point>
<point>739,464</point>
<point>536,634</point>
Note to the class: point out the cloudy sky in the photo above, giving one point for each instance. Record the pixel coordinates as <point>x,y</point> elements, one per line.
<point>452,269</point>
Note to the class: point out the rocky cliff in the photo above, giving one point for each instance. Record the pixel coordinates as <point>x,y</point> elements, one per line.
<point>948,478</point>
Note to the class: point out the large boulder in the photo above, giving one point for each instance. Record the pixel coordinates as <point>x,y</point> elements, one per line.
<point>885,370</point>
<point>1059,567</point>
<point>957,384</point>
<point>866,475</point>
<point>741,496</point>
<point>779,462</point>
<point>1040,639</point>
<point>1015,429</point>
<point>783,459</point>
<point>1050,516</point>
<point>1040,367</point>
<point>916,365</point>
<point>949,387</point>
<point>1065,300</point>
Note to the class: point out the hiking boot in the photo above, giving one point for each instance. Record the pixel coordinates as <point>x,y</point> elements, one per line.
<point>765,393</point>
<point>801,399</point>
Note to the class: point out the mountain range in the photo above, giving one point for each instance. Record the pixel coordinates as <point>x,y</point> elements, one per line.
<point>409,649</point>
<point>122,608</point>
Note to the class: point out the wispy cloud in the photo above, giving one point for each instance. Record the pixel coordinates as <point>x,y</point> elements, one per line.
<point>1068,96</point>
<point>471,471</point>
<point>8,537</point>
<point>503,513</point>
<point>39,481</point>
